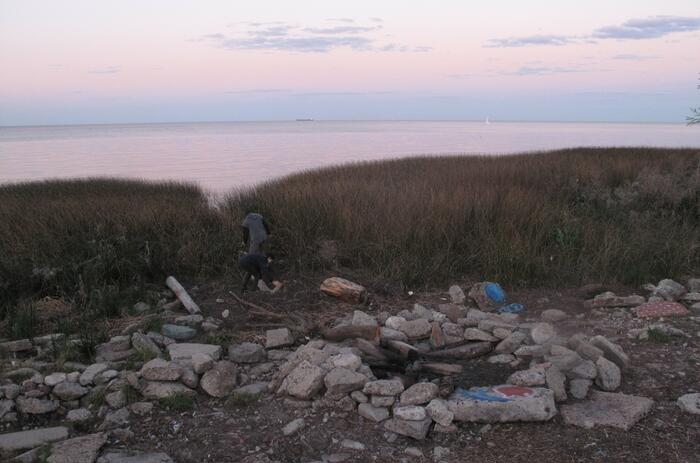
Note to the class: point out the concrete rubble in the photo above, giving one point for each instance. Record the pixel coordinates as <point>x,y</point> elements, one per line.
<point>577,376</point>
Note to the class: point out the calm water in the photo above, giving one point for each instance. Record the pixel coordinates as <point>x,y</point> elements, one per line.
<point>221,156</point>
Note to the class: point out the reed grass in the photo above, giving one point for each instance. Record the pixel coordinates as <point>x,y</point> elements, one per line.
<point>554,218</point>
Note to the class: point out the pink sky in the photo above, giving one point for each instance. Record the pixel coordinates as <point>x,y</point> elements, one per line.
<point>86,61</point>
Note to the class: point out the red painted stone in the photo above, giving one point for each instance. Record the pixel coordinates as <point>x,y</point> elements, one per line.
<point>514,391</point>
<point>661,309</point>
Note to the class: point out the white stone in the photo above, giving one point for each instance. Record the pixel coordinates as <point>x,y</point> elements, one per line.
<point>90,372</point>
<point>293,426</point>
<point>372,413</point>
<point>690,403</point>
<point>419,394</point>
<point>54,378</point>
<point>394,322</point>
<point>410,412</point>
<point>185,351</point>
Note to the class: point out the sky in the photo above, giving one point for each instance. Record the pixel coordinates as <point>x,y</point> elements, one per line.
<point>77,62</point>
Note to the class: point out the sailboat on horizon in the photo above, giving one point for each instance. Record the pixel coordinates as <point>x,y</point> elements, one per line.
<point>487,121</point>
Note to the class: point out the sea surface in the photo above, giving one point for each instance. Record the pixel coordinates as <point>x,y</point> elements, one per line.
<point>223,156</point>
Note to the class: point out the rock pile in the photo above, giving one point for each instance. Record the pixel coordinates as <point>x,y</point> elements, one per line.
<point>342,374</point>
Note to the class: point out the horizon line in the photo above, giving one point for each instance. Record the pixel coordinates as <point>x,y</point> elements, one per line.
<point>313,120</point>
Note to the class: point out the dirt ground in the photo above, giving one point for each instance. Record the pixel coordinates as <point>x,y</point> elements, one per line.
<point>216,432</point>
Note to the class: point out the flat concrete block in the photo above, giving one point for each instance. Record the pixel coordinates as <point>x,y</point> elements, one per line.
<point>607,409</point>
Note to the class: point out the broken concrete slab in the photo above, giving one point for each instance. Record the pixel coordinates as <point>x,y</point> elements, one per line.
<point>121,457</point>
<point>415,429</point>
<point>33,438</point>
<point>617,410</point>
<point>81,449</point>
<point>661,309</point>
<point>185,351</point>
<point>505,403</point>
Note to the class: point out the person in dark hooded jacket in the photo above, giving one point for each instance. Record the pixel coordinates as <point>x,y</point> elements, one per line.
<point>256,230</point>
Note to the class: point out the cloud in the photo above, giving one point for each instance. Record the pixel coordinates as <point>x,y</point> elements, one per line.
<point>281,36</point>
<point>633,29</point>
<point>105,70</point>
<point>342,20</point>
<point>649,28</point>
<point>633,57</point>
<point>530,40</point>
<point>257,91</point>
<point>541,71</point>
<point>340,29</point>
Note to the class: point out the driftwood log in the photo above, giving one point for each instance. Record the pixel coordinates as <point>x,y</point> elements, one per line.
<point>182,295</point>
<point>466,351</point>
<point>343,332</point>
<point>344,290</point>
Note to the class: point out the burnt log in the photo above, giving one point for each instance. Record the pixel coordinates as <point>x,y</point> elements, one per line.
<point>406,351</point>
<point>466,351</point>
<point>343,332</point>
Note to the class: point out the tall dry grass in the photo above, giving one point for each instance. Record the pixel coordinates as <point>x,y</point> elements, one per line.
<point>561,217</point>
<point>99,243</point>
<point>564,217</point>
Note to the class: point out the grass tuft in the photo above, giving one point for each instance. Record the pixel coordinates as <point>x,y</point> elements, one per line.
<point>240,399</point>
<point>658,336</point>
<point>177,402</point>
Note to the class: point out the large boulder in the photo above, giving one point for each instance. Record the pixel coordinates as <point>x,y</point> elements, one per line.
<point>502,404</point>
<point>220,380</point>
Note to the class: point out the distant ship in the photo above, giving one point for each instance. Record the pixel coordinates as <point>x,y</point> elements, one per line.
<point>487,121</point>
<point>305,120</point>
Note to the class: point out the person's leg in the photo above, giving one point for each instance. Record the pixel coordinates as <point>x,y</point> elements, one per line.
<point>246,279</point>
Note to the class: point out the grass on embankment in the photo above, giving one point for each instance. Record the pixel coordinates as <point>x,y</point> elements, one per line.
<point>98,243</point>
<point>562,217</point>
<point>628,215</point>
